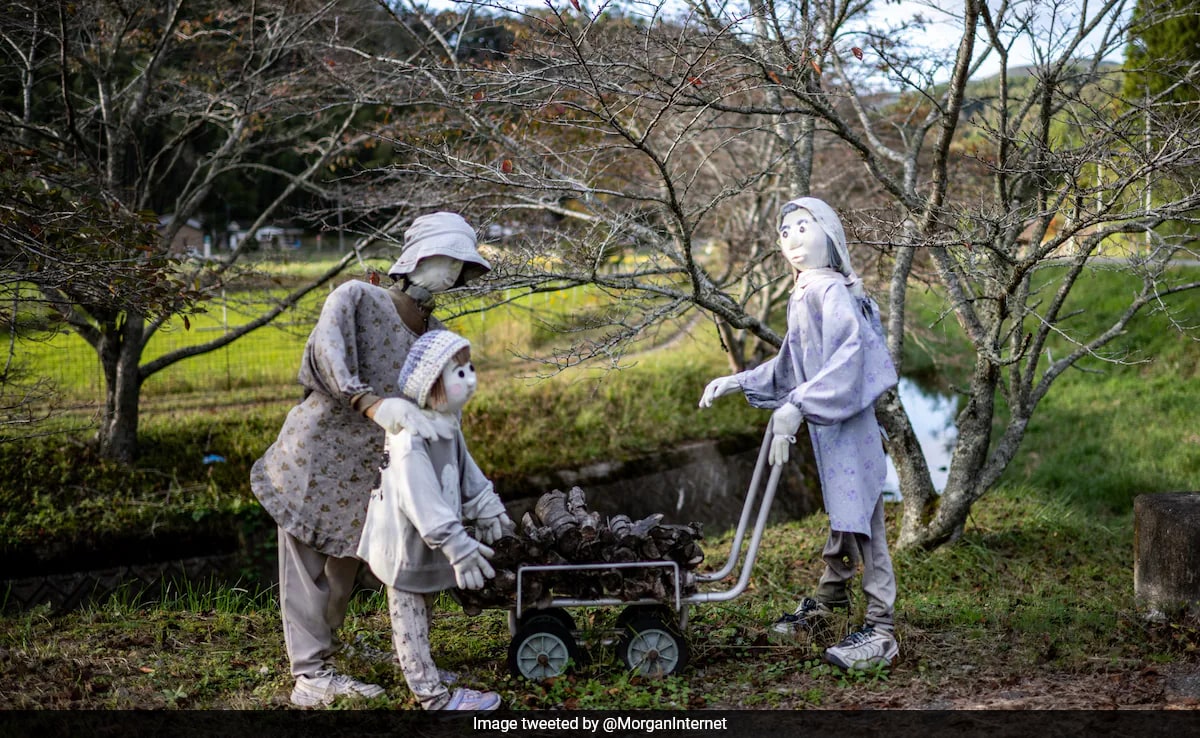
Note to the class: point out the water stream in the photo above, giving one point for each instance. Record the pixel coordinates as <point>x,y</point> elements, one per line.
<point>932,416</point>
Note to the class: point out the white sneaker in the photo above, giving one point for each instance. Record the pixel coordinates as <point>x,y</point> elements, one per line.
<point>327,686</point>
<point>863,649</point>
<point>473,701</point>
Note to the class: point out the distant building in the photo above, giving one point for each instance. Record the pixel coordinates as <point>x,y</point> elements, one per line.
<point>267,237</point>
<point>189,239</point>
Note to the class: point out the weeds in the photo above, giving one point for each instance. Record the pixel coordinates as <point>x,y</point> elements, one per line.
<point>1027,597</point>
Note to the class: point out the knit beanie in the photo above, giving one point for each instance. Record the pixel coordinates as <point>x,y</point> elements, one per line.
<point>426,360</point>
<point>441,234</point>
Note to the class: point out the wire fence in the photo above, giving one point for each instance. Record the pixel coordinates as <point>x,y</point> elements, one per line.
<point>266,359</point>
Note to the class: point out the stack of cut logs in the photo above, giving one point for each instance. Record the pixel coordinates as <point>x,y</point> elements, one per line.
<point>561,530</point>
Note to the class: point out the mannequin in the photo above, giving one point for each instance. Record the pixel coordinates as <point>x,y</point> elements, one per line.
<point>413,539</point>
<point>316,479</point>
<point>831,368</point>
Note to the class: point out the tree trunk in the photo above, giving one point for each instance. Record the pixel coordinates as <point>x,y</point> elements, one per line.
<point>120,354</point>
<point>735,346</point>
<point>974,425</point>
<point>916,485</point>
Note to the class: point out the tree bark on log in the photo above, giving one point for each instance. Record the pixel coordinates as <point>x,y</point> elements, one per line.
<point>561,530</point>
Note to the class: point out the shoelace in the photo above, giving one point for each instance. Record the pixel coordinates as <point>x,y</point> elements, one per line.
<point>859,636</point>
<point>807,603</point>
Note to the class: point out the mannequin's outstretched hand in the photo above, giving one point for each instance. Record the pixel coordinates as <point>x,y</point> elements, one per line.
<point>719,387</point>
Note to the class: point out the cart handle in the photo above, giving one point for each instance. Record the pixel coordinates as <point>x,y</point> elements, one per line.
<point>751,553</point>
<point>751,495</point>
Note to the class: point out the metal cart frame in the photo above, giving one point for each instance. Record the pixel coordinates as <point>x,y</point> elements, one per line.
<point>650,633</point>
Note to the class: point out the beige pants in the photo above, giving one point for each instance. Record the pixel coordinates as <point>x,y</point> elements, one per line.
<point>314,591</point>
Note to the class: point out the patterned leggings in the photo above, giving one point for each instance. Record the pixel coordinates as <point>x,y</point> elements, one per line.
<point>412,614</point>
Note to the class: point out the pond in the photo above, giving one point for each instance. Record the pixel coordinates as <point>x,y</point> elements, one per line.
<point>932,416</point>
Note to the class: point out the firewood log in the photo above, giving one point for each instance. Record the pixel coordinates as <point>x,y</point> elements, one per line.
<point>561,530</point>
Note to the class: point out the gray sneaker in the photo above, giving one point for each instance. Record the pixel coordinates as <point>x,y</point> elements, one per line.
<point>327,685</point>
<point>810,615</point>
<point>863,649</point>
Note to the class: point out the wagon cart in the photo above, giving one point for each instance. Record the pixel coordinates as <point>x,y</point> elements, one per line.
<point>650,637</point>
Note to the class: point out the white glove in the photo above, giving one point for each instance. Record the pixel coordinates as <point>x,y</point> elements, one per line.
<point>490,530</point>
<point>394,414</point>
<point>472,570</point>
<point>719,387</point>
<point>784,423</point>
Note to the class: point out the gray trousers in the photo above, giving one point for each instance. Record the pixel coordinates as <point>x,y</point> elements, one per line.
<point>314,591</point>
<point>412,614</point>
<point>843,552</point>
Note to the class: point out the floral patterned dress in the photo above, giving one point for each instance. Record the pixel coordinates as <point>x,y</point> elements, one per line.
<point>316,479</point>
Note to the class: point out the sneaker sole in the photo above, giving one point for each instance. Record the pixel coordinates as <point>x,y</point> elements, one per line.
<point>305,699</point>
<point>860,664</point>
<point>446,712</point>
<point>309,701</point>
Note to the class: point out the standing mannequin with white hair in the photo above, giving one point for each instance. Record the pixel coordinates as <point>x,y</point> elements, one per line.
<point>316,479</point>
<point>831,368</point>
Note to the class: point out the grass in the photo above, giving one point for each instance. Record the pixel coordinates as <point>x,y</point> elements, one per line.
<point>1002,606</point>
<point>60,491</point>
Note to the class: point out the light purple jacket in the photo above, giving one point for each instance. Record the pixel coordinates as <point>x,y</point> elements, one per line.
<point>833,364</point>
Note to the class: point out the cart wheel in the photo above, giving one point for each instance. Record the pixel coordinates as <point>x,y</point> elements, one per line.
<point>652,646</point>
<point>542,649</point>
<point>552,614</point>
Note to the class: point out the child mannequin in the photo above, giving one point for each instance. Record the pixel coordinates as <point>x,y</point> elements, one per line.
<point>413,538</point>
<point>831,368</point>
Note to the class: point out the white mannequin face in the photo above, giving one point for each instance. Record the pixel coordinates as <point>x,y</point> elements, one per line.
<point>436,273</point>
<point>802,241</point>
<point>459,383</point>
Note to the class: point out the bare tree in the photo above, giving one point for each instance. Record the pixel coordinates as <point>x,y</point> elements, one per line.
<point>154,105</point>
<point>674,137</point>
<point>54,237</point>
